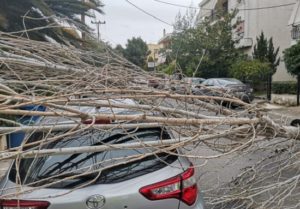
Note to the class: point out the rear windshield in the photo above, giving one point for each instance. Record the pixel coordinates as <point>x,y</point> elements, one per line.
<point>49,169</point>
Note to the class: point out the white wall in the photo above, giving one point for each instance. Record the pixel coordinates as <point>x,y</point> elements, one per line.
<point>273,22</point>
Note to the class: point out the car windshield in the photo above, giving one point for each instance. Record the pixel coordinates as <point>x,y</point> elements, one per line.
<point>196,81</point>
<point>61,166</point>
<point>228,81</point>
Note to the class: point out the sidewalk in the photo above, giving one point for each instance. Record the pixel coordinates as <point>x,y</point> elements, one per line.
<point>284,99</point>
<point>281,113</point>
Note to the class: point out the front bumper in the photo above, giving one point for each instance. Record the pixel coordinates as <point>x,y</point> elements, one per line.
<point>245,97</point>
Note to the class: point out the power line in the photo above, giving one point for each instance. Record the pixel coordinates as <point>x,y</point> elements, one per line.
<point>147,13</point>
<point>177,5</point>
<point>249,9</point>
<point>269,7</point>
<point>191,7</point>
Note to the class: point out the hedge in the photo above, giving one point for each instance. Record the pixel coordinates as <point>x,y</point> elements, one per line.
<point>287,87</point>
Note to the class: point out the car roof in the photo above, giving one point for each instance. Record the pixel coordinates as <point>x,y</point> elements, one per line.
<point>223,79</point>
<point>89,110</point>
<point>193,78</point>
<point>226,79</point>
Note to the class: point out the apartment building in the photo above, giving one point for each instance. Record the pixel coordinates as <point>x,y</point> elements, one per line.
<point>294,23</point>
<point>273,17</point>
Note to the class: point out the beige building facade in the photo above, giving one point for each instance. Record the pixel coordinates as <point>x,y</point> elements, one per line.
<point>156,55</point>
<point>154,50</point>
<point>294,23</point>
<point>255,16</point>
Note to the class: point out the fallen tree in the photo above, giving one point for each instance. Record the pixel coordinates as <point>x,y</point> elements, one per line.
<point>85,87</point>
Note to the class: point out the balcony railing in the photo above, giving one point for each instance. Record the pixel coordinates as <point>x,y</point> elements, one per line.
<point>296,32</point>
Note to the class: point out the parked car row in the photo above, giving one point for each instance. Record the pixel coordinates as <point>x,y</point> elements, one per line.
<point>210,87</point>
<point>231,86</point>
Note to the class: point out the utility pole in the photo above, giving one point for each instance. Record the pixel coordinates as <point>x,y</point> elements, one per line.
<point>298,90</point>
<point>98,23</point>
<point>155,51</point>
<point>83,22</point>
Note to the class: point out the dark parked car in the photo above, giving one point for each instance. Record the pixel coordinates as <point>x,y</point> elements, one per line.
<point>157,83</point>
<point>193,84</point>
<point>180,87</point>
<point>232,86</point>
<point>185,86</point>
<point>193,81</point>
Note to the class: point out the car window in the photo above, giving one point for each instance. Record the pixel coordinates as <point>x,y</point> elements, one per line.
<point>208,82</point>
<point>196,81</point>
<point>205,83</point>
<point>222,82</point>
<point>33,170</point>
<point>225,82</point>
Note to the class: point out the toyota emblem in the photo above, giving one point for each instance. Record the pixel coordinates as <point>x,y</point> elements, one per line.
<point>95,202</point>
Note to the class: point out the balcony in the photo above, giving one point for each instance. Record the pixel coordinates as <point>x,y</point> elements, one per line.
<point>295,32</point>
<point>245,43</point>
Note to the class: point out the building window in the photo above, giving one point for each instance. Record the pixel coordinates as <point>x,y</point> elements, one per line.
<point>225,7</point>
<point>220,10</point>
<point>296,32</point>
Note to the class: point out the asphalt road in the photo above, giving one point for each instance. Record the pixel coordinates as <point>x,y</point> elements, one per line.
<point>217,173</point>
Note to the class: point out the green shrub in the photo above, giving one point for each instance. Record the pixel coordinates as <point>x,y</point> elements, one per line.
<point>250,70</point>
<point>167,68</point>
<point>288,87</point>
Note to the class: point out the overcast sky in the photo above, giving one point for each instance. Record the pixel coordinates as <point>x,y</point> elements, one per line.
<point>123,21</point>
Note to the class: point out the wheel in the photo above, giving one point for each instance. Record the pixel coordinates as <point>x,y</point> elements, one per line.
<point>296,123</point>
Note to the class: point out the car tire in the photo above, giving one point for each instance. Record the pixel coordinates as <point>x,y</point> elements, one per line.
<point>295,123</point>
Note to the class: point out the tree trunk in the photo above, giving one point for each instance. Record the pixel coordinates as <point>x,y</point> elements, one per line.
<point>271,81</point>
<point>298,90</point>
<point>269,87</point>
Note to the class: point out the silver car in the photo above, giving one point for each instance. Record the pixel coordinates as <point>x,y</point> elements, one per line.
<point>163,181</point>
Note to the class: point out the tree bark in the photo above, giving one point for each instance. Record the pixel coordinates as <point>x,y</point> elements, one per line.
<point>298,90</point>
<point>269,87</point>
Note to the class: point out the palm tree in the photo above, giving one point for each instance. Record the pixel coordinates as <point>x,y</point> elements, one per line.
<point>43,19</point>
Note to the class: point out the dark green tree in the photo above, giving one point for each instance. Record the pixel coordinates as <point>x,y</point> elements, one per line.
<point>292,63</point>
<point>272,56</point>
<point>119,49</point>
<point>260,50</point>
<point>136,51</point>
<point>265,51</point>
<point>207,49</point>
<point>36,15</point>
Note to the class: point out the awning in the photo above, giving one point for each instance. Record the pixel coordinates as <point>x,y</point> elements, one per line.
<point>295,18</point>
